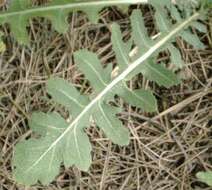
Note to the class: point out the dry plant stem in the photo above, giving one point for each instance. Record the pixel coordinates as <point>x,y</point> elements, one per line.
<point>176,108</point>
<point>18,107</point>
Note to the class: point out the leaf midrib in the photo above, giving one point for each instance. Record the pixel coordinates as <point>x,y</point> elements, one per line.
<point>70,5</point>
<point>118,79</point>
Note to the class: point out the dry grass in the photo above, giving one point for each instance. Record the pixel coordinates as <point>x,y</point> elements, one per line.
<point>166,149</point>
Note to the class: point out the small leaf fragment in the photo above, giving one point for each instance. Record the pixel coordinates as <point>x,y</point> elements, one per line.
<point>205,177</point>
<point>106,119</point>
<point>159,74</point>
<point>90,65</point>
<point>176,58</point>
<point>67,95</point>
<point>140,98</point>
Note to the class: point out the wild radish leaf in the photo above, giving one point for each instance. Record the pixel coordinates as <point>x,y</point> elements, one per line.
<point>65,141</point>
<point>200,27</point>
<point>152,71</point>
<point>42,123</point>
<point>164,25</point>
<point>120,48</point>
<point>139,32</point>
<point>28,173</point>
<point>20,11</point>
<point>44,155</point>
<point>19,22</point>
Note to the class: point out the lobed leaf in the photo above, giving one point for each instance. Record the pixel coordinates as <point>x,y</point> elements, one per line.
<point>90,65</point>
<point>105,117</point>
<point>62,141</point>
<point>20,11</point>
<point>164,24</point>
<point>159,74</point>
<point>72,99</point>
<point>139,98</point>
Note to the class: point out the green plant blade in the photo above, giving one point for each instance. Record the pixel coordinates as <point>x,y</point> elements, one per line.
<point>164,25</point>
<point>200,27</point>
<point>44,162</point>
<point>42,123</point>
<point>120,48</point>
<point>77,148</point>
<point>19,23</point>
<point>139,32</point>
<point>21,11</point>
<point>71,145</point>
<point>90,65</point>
<point>29,172</point>
<point>205,177</point>
<point>176,58</point>
<point>192,39</point>
<point>105,117</point>
<point>159,74</point>
<point>143,99</point>
<point>52,125</point>
<point>67,95</point>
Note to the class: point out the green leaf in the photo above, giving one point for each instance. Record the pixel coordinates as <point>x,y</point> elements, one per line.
<point>105,118</point>
<point>205,177</point>
<point>200,27</point>
<point>175,14</point>
<point>20,11</point>
<point>120,48</point>
<point>160,3</point>
<point>64,141</point>
<point>164,25</point>
<point>19,23</point>
<point>143,99</point>
<point>176,57</point>
<point>139,32</point>
<point>192,39</point>
<point>71,98</point>
<point>162,22</point>
<point>26,171</point>
<point>159,74</point>
<point>76,147</point>
<point>93,13</point>
<point>42,157</point>
<point>90,65</point>
<point>32,170</point>
<point>42,123</point>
